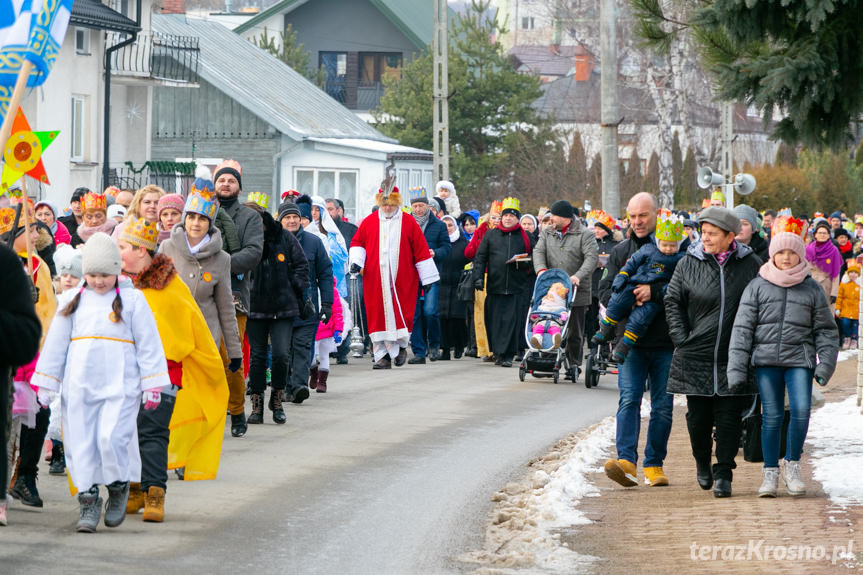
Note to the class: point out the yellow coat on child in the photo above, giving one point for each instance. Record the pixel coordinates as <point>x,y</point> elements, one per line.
<point>848,299</point>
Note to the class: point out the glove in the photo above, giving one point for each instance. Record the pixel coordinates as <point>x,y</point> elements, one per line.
<point>355,268</point>
<point>151,399</point>
<point>337,337</point>
<point>478,284</point>
<point>44,396</point>
<point>235,364</point>
<point>820,381</point>
<point>307,310</point>
<point>326,313</point>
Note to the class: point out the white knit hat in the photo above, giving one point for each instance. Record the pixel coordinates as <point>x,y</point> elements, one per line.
<point>101,255</point>
<point>67,260</point>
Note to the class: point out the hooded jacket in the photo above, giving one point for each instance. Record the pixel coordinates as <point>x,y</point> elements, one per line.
<point>208,276</point>
<point>574,252</point>
<point>700,306</point>
<point>782,327</point>
<point>281,278</point>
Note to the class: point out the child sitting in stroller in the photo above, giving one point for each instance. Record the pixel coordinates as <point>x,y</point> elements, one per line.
<point>550,316</point>
<point>653,263</point>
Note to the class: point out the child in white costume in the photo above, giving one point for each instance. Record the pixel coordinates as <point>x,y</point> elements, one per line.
<point>103,347</point>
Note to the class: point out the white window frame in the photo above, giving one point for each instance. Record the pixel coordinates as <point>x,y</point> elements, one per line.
<point>78,149</point>
<point>82,48</point>
<point>337,193</point>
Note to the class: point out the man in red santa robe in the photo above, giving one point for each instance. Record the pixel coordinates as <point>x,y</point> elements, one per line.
<point>393,250</point>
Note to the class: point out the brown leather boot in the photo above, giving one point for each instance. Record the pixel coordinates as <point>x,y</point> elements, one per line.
<point>276,398</point>
<point>257,415</point>
<point>313,377</point>
<point>322,381</point>
<point>154,505</point>
<point>136,499</point>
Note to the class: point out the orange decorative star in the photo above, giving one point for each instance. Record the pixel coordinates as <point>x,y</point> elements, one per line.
<point>23,153</point>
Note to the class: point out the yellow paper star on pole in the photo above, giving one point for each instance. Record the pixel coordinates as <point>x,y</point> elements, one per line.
<point>23,153</point>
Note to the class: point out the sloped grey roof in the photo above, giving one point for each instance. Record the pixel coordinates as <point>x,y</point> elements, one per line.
<point>94,14</point>
<point>265,85</point>
<point>544,60</point>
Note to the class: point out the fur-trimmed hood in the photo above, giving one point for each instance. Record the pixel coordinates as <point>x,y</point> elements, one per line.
<point>157,276</point>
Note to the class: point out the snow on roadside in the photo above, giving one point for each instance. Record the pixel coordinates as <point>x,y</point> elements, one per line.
<point>522,535</point>
<point>836,438</point>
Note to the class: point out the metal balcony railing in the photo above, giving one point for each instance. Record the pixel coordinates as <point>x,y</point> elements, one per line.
<point>156,56</point>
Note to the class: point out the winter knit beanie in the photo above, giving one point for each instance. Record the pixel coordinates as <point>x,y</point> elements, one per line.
<point>287,208</point>
<point>67,260</point>
<point>100,255</point>
<point>173,201</point>
<point>787,241</point>
<point>747,213</point>
<point>562,209</point>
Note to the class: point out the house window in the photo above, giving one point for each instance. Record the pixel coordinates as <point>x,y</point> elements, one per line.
<point>375,66</point>
<point>79,123</point>
<point>527,23</point>
<point>341,184</point>
<point>335,64</point>
<point>82,41</point>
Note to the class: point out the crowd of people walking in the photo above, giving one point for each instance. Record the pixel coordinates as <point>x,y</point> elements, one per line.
<point>136,321</point>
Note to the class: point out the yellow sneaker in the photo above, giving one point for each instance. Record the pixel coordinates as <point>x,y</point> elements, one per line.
<point>621,471</point>
<point>654,477</point>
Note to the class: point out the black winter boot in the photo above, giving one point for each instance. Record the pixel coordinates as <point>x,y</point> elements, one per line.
<point>238,425</point>
<point>25,490</point>
<point>276,398</point>
<point>58,459</point>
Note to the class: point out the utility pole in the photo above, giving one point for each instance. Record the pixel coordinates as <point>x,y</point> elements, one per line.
<point>609,116</point>
<point>726,127</point>
<point>440,46</point>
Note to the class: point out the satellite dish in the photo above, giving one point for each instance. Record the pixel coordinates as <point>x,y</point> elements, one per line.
<point>707,179</point>
<point>744,184</point>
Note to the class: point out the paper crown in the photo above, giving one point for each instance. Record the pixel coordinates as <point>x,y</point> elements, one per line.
<point>259,198</point>
<point>848,226</point>
<point>94,201</point>
<point>289,194</point>
<point>140,232</point>
<point>204,188</point>
<point>7,220</point>
<point>600,217</point>
<point>418,194</point>
<point>495,207</point>
<point>406,209</point>
<point>511,204</point>
<point>669,227</point>
<point>717,195</point>
<point>788,224</point>
<point>199,204</point>
<point>787,212</point>
<point>112,191</point>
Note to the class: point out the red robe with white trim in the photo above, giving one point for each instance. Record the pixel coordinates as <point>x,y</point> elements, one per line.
<point>391,318</point>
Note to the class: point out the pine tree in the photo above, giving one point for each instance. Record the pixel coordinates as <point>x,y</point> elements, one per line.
<point>291,53</point>
<point>688,183</point>
<point>651,178</point>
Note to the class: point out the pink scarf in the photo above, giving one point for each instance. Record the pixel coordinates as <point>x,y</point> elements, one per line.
<point>784,278</point>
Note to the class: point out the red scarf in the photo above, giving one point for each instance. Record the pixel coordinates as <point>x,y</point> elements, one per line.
<point>524,237</point>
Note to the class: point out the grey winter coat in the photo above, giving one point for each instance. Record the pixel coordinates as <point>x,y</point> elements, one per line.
<point>700,305</point>
<point>782,327</point>
<point>251,233</point>
<point>208,275</point>
<point>575,253</point>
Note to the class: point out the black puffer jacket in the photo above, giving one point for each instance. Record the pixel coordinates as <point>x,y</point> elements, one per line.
<point>496,248</point>
<point>280,280</point>
<point>449,306</point>
<point>782,327</point>
<point>700,305</point>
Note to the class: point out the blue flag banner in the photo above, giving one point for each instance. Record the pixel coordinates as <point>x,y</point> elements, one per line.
<point>30,30</point>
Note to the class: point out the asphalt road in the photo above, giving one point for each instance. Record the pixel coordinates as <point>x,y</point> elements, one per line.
<point>389,472</point>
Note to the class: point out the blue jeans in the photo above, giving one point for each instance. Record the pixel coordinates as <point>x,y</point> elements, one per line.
<point>849,327</point>
<point>426,318</point>
<point>642,366</point>
<point>772,383</point>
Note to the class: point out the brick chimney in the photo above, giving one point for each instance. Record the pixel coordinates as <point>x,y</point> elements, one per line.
<point>584,63</point>
<point>173,6</point>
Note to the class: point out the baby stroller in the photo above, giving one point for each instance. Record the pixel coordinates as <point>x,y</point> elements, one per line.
<point>598,362</point>
<point>546,361</point>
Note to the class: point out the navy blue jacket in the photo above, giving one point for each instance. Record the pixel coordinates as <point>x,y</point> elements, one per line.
<point>437,239</point>
<point>647,266</point>
<point>320,273</point>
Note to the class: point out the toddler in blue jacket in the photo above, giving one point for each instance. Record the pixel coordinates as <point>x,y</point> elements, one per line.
<point>653,263</point>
